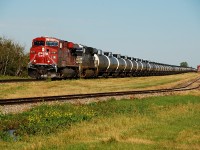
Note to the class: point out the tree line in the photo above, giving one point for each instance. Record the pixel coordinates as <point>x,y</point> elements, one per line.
<point>13,59</point>
<point>184,64</point>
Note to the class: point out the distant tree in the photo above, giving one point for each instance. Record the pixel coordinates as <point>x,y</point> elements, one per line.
<point>184,64</point>
<point>13,59</point>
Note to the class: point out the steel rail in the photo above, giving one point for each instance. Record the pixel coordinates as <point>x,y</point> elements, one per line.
<point>36,80</point>
<point>195,80</point>
<point>20,80</point>
<point>91,95</point>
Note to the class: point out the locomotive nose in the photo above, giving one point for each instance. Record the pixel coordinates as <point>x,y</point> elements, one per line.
<point>42,56</point>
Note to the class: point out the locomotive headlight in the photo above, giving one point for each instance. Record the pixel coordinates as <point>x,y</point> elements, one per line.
<point>34,60</point>
<point>54,57</point>
<point>43,49</point>
<point>48,61</point>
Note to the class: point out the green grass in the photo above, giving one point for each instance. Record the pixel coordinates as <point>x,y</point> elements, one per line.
<point>2,77</point>
<point>170,122</point>
<point>44,119</point>
<point>154,83</point>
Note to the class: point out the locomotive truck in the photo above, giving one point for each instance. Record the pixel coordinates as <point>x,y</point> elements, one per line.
<point>54,58</point>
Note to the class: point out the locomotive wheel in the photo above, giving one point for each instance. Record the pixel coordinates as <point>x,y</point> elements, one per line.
<point>88,74</point>
<point>68,73</point>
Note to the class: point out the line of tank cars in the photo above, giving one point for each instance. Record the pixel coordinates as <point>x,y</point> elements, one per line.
<point>55,58</point>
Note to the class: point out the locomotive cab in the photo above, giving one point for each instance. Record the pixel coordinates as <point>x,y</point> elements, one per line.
<point>51,57</point>
<point>43,57</point>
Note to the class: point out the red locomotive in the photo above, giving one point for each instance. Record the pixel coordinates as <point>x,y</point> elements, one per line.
<point>52,57</point>
<point>198,68</point>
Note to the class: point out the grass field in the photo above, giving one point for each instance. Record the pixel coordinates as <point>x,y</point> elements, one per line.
<point>9,77</point>
<point>168,122</point>
<point>47,88</point>
<point>164,122</point>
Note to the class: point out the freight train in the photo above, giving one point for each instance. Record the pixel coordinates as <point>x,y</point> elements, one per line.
<point>55,58</point>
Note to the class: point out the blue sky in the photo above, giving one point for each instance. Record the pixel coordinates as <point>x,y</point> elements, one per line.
<point>166,31</point>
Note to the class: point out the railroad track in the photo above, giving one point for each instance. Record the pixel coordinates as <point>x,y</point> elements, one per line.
<point>93,95</point>
<point>190,83</point>
<point>37,80</point>
<point>20,80</point>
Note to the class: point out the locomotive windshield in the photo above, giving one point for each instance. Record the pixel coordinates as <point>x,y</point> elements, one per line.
<point>52,43</point>
<point>38,43</point>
